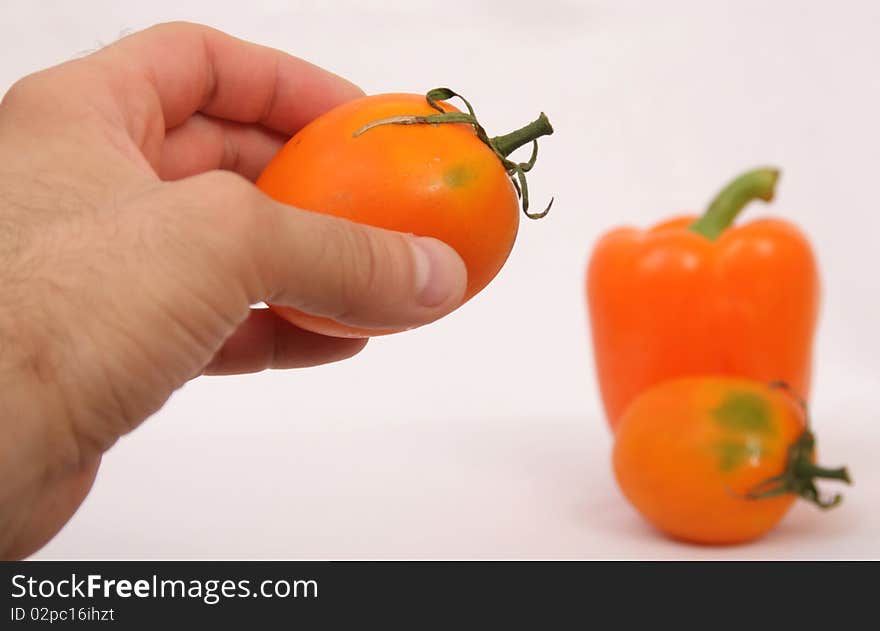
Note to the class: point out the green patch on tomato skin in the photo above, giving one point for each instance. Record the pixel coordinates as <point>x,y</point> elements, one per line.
<point>743,413</point>
<point>734,454</point>
<point>458,176</point>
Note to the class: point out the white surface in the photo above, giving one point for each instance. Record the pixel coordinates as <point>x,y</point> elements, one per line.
<point>481,435</point>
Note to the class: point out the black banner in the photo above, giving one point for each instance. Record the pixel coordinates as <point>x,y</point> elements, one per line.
<point>413,595</point>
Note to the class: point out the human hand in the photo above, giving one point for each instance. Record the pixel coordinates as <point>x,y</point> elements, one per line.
<point>132,245</point>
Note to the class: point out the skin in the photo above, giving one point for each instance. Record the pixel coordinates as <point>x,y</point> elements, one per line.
<point>668,302</point>
<point>688,450</point>
<point>448,185</point>
<point>133,242</point>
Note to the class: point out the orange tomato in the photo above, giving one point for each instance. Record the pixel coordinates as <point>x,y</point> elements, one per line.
<point>716,460</point>
<point>437,180</point>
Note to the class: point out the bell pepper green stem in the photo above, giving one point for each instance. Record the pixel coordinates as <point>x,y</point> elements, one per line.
<point>756,184</point>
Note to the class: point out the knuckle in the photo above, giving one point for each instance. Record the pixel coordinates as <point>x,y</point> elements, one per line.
<point>222,182</point>
<point>367,272</point>
<point>362,261</point>
<point>230,200</point>
<point>231,225</point>
<point>25,90</point>
<point>179,27</point>
<point>46,96</point>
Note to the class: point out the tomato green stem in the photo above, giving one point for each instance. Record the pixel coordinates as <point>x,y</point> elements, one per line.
<point>501,146</point>
<point>756,184</point>
<point>508,143</point>
<point>808,469</point>
<point>800,475</point>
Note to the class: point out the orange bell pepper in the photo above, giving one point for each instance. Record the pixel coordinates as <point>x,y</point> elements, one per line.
<point>695,296</point>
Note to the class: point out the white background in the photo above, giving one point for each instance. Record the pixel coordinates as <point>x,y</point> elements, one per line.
<point>481,436</point>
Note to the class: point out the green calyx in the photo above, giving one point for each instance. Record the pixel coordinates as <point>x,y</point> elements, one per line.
<point>502,146</point>
<point>800,475</point>
<point>755,184</point>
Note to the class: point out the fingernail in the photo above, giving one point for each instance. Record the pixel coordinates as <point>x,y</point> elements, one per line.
<point>438,271</point>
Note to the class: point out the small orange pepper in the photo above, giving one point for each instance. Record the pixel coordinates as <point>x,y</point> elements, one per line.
<point>695,296</point>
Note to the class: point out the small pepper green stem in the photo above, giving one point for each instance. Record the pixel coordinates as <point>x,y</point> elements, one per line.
<point>756,184</point>
<point>508,143</point>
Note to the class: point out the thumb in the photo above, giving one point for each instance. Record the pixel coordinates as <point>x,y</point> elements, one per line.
<point>326,266</point>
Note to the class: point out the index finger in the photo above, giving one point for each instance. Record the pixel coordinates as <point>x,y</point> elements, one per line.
<point>188,68</point>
